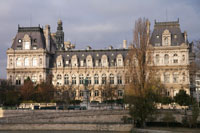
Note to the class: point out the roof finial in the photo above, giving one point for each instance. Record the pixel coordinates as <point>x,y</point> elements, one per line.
<point>59,21</point>
<point>166,15</point>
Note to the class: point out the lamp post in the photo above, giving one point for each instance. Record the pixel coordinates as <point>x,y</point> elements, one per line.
<point>85,93</point>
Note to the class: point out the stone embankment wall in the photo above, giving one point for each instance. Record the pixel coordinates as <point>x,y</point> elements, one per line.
<point>107,120</point>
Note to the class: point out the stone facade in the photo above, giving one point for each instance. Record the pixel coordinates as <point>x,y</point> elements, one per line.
<point>36,53</point>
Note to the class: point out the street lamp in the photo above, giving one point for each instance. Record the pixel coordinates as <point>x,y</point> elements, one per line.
<point>85,93</point>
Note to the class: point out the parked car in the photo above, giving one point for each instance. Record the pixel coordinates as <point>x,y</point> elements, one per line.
<point>76,107</point>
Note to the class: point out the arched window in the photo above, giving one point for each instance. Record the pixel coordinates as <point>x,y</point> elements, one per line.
<point>183,77</point>
<point>18,80</point>
<point>119,79</point>
<point>111,79</point>
<point>127,78</point>
<point>166,59</point>
<point>66,79</point>
<point>59,77</point>
<point>157,59</point>
<point>104,79</point>
<point>74,61</point>
<point>88,79</point>
<point>96,79</point>
<point>34,78</point>
<point>166,77</point>
<point>175,59</point>
<point>175,77</point>
<point>183,57</point>
<point>119,60</point>
<point>34,61</point>
<point>96,93</point>
<point>40,61</point>
<point>73,79</point>
<point>19,62</point>
<point>104,61</point>
<point>89,61</point>
<point>81,78</point>
<point>26,62</point>
<point>120,93</point>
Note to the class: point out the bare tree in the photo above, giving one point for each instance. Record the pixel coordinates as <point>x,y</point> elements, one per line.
<point>109,93</point>
<point>144,87</point>
<point>27,90</point>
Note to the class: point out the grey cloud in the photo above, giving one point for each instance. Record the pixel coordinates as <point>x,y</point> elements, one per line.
<point>98,23</point>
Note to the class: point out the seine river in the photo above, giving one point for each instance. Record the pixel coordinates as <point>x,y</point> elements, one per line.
<point>58,132</point>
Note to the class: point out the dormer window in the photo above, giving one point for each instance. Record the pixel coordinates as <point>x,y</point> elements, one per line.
<point>157,44</point>
<point>27,45</point>
<point>81,63</point>
<point>34,47</point>
<point>35,40</point>
<point>27,42</point>
<point>166,38</point>
<point>175,36</point>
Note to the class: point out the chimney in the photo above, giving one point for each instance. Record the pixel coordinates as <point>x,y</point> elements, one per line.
<point>124,44</point>
<point>47,36</point>
<point>185,36</point>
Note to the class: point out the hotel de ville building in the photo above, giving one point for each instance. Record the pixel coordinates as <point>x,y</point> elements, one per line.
<point>36,52</point>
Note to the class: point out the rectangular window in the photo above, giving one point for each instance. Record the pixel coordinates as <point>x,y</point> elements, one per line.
<point>96,93</point>
<point>157,44</point>
<point>175,60</point>
<point>111,80</point>
<point>97,63</point>
<point>120,93</point>
<point>73,80</point>
<point>26,45</point>
<point>166,78</point>
<point>198,82</point>
<point>96,81</point>
<point>103,80</point>
<point>127,80</point>
<point>66,82</point>
<point>175,78</point>
<point>40,61</point>
<point>81,93</point>
<point>18,82</point>
<point>119,80</point>
<point>89,80</point>
<point>81,63</point>
<point>81,80</point>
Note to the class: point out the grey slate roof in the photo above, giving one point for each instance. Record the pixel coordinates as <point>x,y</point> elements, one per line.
<point>174,29</point>
<point>67,55</point>
<point>35,33</point>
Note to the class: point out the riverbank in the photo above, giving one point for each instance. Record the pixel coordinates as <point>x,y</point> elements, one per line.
<point>83,120</point>
<point>70,127</point>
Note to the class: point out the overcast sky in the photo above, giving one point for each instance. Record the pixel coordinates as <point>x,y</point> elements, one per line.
<point>98,23</point>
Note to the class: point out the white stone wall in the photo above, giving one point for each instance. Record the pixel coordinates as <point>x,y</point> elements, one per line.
<point>173,68</point>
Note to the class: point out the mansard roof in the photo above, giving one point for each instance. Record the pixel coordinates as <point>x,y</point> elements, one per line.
<point>35,33</point>
<point>96,54</point>
<point>174,29</point>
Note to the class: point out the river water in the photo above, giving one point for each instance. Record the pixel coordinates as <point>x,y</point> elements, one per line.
<point>48,131</point>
